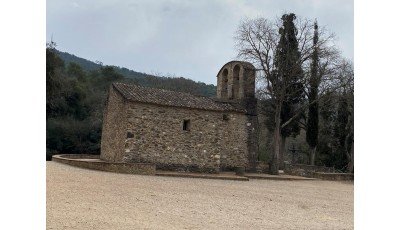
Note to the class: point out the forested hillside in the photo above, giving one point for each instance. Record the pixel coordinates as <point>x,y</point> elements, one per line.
<point>170,83</point>
<point>76,91</point>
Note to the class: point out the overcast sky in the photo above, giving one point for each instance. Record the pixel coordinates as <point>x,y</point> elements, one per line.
<point>193,39</point>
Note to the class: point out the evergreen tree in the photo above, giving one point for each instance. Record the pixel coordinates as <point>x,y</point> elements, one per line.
<point>339,158</point>
<point>289,77</point>
<point>312,120</point>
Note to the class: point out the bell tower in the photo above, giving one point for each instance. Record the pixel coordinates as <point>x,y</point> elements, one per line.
<point>236,80</point>
<point>236,85</point>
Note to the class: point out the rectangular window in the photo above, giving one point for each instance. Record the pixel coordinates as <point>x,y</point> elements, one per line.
<point>186,125</point>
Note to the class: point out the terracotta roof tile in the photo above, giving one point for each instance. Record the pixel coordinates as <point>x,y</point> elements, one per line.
<point>172,98</point>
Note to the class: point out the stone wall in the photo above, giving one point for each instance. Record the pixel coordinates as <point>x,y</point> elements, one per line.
<point>333,176</point>
<point>214,140</point>
<point>252,142</point>
<point>89,162</point>
<point>113,132</point>
<point>314,171</point>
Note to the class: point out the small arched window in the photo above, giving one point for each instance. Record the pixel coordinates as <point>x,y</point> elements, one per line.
<point>224,84</point>
<point>235,82</point>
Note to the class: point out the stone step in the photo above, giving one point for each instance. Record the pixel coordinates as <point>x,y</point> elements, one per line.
<point>220,176</point>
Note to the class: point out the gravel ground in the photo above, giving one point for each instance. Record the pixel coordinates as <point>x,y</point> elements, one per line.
<point>85,199</point>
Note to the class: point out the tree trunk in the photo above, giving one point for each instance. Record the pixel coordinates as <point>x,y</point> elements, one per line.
<point>282,152</point>
<point>274,163</point>
<point>312,155</point>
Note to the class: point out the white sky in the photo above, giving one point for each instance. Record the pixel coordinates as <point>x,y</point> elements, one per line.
<point>193,39</point>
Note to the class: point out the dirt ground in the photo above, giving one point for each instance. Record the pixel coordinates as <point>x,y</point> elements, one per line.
<point>85,199</point>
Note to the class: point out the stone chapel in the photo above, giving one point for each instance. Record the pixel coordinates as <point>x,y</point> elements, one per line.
<point>181,131</point>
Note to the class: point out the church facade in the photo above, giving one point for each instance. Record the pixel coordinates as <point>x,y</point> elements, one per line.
<point>181,131</point>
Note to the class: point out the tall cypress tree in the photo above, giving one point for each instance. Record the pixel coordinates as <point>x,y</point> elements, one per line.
<point>289,68</point>
<point>287,85</point>
<point>312,120</point>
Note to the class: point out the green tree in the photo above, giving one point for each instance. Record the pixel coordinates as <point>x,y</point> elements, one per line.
<point>287,84</point>
<point>54,81</point>
<point>312,119</point>
<point>76,71</point>
<point>336,126</point>
<point>71,124</point>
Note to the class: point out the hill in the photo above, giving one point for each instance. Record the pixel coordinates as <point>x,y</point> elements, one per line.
<point>170,83</point>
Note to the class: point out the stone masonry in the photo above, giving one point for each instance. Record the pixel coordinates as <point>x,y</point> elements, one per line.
<point>158,137</point>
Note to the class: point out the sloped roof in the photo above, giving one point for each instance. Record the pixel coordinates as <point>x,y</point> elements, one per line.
<point>172,98</point>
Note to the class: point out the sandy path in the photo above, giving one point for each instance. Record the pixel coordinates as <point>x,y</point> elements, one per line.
<point>85,199</point>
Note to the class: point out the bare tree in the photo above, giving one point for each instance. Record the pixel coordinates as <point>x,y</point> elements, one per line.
<point>257,42</point>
